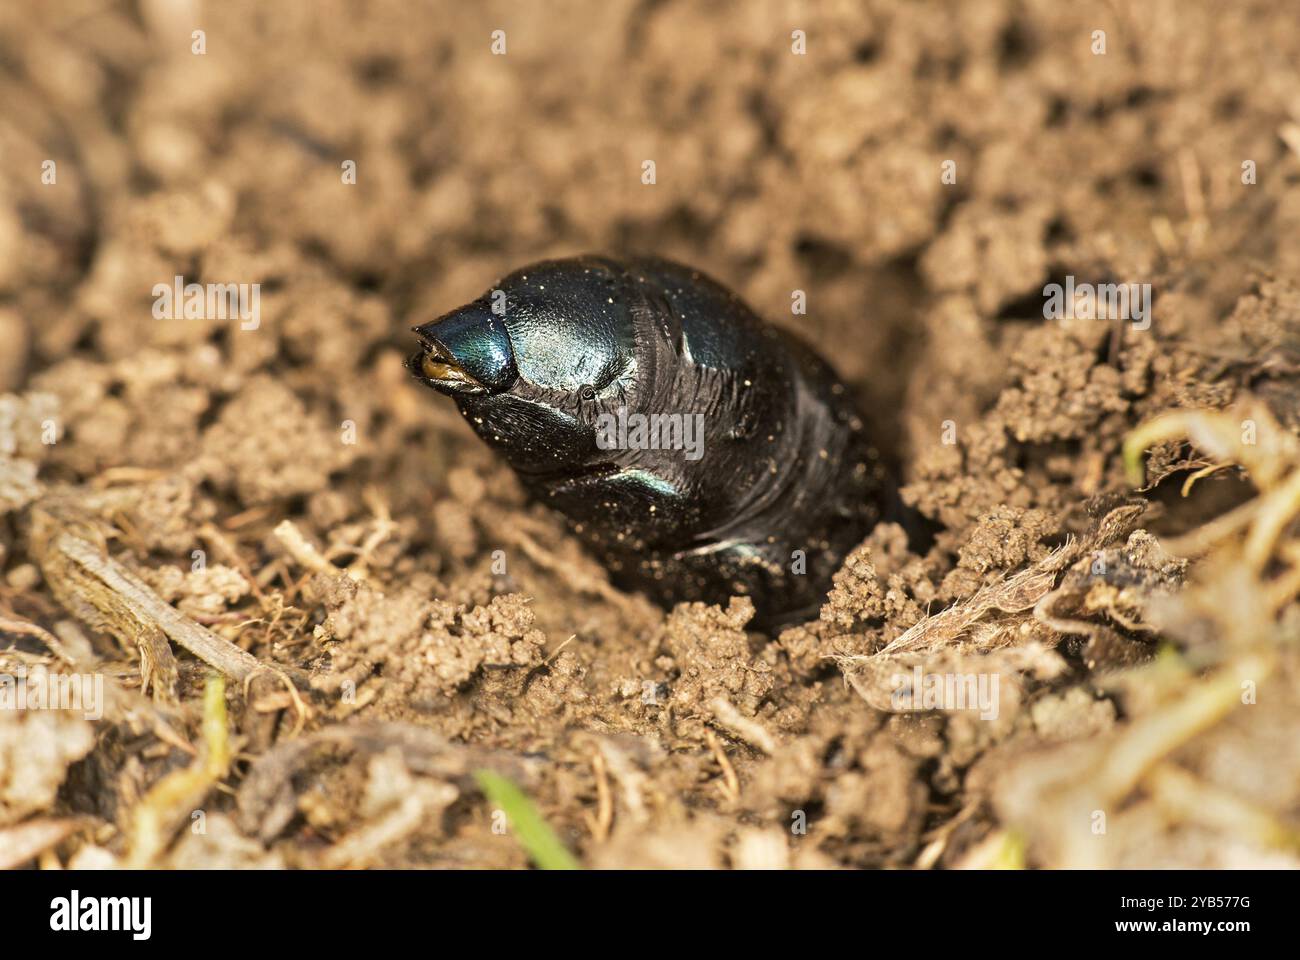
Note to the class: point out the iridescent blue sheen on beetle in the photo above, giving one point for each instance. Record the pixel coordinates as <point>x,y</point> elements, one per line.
<point>787,480</point>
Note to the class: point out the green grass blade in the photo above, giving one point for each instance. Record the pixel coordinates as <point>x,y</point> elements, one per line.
<point>529,827</point>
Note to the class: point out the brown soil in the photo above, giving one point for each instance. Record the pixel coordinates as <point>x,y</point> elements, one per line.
<point>436,623</point>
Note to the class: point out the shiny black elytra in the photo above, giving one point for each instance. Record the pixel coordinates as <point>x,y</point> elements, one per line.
<point>786,482</point>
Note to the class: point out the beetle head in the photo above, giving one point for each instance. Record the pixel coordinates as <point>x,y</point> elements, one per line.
<point>534,360</point>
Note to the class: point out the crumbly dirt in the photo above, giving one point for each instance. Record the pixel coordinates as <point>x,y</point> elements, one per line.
<point>290,491</point>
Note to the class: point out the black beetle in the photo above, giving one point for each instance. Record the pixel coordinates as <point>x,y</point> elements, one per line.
<point>698,451</point>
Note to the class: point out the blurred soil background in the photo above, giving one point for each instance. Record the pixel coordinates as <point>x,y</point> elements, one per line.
<point>403,618</point>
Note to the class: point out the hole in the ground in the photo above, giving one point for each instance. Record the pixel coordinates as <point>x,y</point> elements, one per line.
<point>1015,46</point>
<point>821,258</point>
<point>1209,497</point>
<point>866,51</point>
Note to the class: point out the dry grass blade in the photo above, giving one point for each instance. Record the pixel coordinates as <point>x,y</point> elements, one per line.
<point>109,597</point>
<point>175,796</point>
<point>26,841</point>
<point>1013,595</point>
